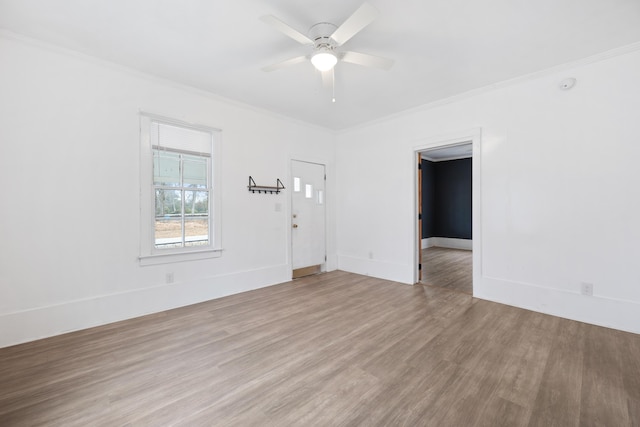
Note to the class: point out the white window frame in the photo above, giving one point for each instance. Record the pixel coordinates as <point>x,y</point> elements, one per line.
<point>149,254</point>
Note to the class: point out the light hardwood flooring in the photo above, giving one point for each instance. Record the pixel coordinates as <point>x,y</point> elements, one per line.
<point>448,268</point>
<point>336,349</point>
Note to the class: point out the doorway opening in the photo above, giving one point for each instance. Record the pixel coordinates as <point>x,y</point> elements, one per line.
<point>447,205</point>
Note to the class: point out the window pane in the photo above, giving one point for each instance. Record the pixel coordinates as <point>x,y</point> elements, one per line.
<point>196,229</point>
<point>196,220</point>
<point>168,202</point>
<point>166,168</point>
<point>168,219</point>
<point>195,171</point>
<point>196,203</point>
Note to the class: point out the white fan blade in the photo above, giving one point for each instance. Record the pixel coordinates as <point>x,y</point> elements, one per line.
<point>367,60</point>
<point>286,29</point>
<point>286,63</point>
<point>356,22</point>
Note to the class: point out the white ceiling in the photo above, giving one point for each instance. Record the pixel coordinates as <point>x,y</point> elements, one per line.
<point>441,48</point>
<point>460,151</point>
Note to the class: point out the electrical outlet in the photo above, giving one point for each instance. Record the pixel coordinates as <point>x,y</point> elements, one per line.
<point>168,278</point>
<point>586,289</point>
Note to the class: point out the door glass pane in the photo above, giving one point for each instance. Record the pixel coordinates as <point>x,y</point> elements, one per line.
<point>296,184</point>
<point>320,197</point>
<point>308,191</point>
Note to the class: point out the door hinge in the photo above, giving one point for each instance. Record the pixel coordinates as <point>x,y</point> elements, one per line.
<point>420,166</point>
<point>325,257</point>
<point>420,216</point>
<point>325,176</point>
<point>419,266</point>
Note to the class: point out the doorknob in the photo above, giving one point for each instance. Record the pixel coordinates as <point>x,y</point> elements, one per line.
<point>295,225</point>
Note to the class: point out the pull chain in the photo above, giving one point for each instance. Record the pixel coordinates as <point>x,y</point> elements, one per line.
<point>333,84</point>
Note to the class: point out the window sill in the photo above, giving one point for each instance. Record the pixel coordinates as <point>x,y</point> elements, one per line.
<point>157,259</point>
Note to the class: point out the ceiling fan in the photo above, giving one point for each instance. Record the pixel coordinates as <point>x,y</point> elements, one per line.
<point>326,38</point>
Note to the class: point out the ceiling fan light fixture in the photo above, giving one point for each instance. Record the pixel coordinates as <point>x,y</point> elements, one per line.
<point>324,60</point>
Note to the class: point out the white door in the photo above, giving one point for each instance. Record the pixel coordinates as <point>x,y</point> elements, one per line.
<point>307,217</point>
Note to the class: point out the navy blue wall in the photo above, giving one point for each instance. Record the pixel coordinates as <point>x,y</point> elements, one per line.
<point>446,199</point>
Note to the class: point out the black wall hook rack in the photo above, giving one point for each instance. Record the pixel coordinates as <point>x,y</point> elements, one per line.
<point>253,187</point>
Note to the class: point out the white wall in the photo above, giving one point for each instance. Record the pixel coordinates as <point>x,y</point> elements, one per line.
<point>560,191</point>
<point>69,164</point>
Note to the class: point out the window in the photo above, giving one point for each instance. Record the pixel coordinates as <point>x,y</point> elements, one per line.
<point>180,202</point>
<point>182,187</point>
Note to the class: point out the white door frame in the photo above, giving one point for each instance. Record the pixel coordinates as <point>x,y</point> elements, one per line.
<point>474,136</point>
<point>290,211</point>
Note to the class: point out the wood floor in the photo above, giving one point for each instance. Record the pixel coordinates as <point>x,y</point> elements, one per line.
<point>336,349</point>
<point>448,268</point>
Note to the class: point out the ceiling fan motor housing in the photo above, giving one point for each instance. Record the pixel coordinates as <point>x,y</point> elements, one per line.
<point>320,33</point>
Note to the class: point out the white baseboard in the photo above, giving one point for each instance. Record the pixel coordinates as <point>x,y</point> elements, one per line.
<point>376,268</point>
<point>596,310</point>
<point>42,322</point>
<point>447,242</point>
